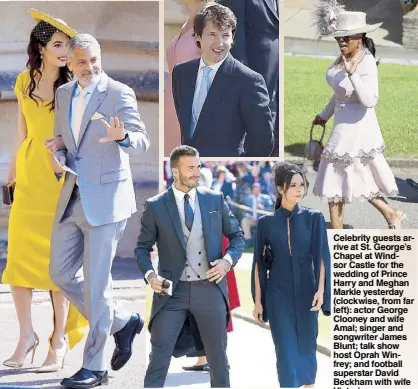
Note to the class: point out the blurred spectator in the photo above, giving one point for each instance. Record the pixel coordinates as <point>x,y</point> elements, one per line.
<point>206,177</point>
<point>234,179</point>
<point>222,183</point>
<point>257,201</point>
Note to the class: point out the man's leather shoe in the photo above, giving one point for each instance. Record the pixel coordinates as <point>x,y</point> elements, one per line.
<point>124,339</point>
<point>85,379</point>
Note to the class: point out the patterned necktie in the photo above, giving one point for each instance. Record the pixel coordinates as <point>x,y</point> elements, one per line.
<point>201,96</point>
<point>188,212</point>
<point>80,107</point>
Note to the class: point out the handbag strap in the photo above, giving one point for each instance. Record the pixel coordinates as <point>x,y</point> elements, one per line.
<point>322,135</point>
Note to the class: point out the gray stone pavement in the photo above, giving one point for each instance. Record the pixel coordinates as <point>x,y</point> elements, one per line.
<point>129,289</point>
<point>252,360</point>
<point>365,216</point>
<point>300,34</point>
<point>131,376</point>
<point>250,348</point>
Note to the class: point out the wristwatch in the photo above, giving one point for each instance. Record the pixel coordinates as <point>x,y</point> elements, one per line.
<point>121,140</point>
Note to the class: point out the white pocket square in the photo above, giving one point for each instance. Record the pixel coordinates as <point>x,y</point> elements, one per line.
<point>96,116</point>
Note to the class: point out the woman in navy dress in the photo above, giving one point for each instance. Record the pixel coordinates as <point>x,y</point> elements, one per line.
<point>292,284</point>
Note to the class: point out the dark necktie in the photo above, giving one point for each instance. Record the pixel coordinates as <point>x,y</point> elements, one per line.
<point>188,212</point>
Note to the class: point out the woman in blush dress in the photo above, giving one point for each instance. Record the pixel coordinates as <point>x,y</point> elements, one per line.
<point>352,165</point>
<point>292,284</point>
<point>181,49</point>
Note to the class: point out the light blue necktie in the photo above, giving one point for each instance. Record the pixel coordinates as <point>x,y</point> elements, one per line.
<point>200,99</point>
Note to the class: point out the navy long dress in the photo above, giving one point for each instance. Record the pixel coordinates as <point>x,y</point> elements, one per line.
<point>298,240</point>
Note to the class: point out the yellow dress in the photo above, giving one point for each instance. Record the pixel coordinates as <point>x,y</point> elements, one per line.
<point>33,210</point>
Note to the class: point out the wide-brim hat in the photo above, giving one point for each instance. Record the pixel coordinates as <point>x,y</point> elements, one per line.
<point>352,23</point>
<point>59,24</point>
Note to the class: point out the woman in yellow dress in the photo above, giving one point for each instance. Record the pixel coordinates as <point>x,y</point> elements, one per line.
<point>36,195</point>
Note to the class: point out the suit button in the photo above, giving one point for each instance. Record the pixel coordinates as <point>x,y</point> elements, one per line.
<point>187,265</point>
<point>198,264</point>
<point>200,252</point>
<point>188,276</point>
<point>77,158</point>
<point>198,276</point>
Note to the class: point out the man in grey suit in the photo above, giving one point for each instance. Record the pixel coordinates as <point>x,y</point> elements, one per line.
<point>187,223</point>
<point>98,121</point>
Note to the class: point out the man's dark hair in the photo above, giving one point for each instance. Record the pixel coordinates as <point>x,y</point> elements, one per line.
<point>182,151</point>
<point>220,16</point>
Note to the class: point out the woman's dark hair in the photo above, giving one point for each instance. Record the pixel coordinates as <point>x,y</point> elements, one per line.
<point>34,65</point>
<point>221,17</point>
<point>369,45</point>
<point>283,173</point>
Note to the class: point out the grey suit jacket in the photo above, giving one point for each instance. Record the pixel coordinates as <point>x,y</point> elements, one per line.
<point>104,174</point>
<point>161,224</point>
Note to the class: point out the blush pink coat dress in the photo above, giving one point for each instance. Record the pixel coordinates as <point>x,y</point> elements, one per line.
<point>181,49</point>
<point>352,165</point>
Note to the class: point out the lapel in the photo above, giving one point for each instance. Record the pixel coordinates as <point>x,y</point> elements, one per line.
<point>272,8</point>
<point>173,211</point>
<point>189,89</point>
<point>216,92</point>
<point>69,88</point>
<point>204,202</point>
<point>96,99</point>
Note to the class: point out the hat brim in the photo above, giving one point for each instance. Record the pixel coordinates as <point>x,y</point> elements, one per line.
<point>58,24</point>
<point>361,30</point>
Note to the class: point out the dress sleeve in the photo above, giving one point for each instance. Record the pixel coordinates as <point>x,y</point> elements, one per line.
<point>19,86</point>
<point>320,251</point>
<point>260,241</point>
<point>365,82</point>
<point>328,111</point>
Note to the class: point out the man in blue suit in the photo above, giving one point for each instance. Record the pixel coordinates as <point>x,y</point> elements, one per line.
<point>222,105</point>
<point>187,223</point>
<point>98,121</point>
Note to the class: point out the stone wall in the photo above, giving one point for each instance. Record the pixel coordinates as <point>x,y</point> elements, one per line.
<point>128,33</point>
<point>410,30</point>
<point>174,17</point>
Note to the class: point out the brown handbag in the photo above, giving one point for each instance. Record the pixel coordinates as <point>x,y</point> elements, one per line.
<point>313,149</point>
<point>8,191</point>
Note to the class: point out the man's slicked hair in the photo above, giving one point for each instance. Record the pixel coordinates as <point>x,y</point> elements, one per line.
<point>182,151</point>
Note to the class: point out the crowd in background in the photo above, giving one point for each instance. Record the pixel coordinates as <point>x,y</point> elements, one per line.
<point>249,184</point>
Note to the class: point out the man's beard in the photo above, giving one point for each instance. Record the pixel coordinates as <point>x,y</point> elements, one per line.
<point>187,182</point>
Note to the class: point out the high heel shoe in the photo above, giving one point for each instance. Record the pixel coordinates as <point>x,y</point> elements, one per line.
<point>397,222</point>
<point>59,359</point>
<point>19,364</point>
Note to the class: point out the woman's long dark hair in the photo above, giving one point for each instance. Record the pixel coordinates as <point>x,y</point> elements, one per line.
<point>369,45</point>
<point>34,65</point>
<point>283,173</point>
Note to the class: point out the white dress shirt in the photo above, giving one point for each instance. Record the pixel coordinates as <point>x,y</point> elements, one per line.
<point>212,74</point>
<point>90,89</point>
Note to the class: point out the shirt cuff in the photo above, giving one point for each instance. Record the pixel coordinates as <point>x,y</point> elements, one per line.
<point>148,273</point>
<point>227,256</point>
<point>125,142</point>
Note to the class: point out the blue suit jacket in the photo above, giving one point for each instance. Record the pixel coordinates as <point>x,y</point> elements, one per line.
<point>256,42</point>
<point>160,223</point>
<point>237,104</point>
